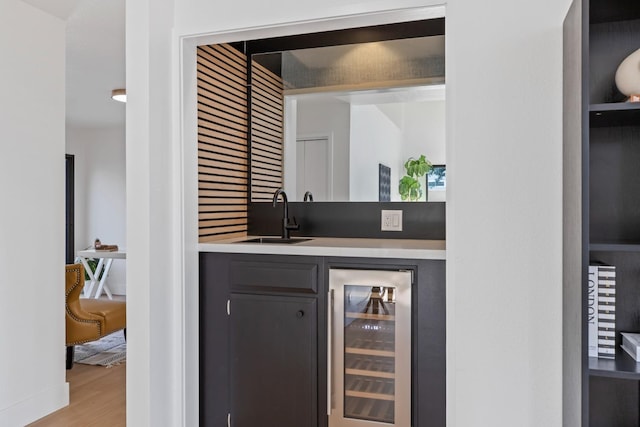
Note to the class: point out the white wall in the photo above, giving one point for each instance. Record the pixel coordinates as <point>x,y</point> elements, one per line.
<point>329,117</point>
<point>503,256</point>
<point>375,139</point>
<point>100,205</point>
<point>504,259</point>
<point>154,245</point>
<point>32,115</point>
<point>424,131</point>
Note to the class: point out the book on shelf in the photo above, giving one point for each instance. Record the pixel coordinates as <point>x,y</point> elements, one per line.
<point>592,310</point>
<point>606,311</point>
<point>631,344</point>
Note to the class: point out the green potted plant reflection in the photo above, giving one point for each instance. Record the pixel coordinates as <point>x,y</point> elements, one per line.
<point>410,187</point>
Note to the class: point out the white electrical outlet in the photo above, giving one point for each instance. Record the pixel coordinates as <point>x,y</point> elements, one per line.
<point>391,220</point>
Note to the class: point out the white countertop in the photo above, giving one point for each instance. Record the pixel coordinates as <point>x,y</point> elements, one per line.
<point>331,246</point>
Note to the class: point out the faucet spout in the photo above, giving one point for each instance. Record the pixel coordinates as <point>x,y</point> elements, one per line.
<point>286,225</point>
<point>308,196</point>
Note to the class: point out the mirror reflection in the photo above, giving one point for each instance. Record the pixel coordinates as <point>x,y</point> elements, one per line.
<point>352,117</point>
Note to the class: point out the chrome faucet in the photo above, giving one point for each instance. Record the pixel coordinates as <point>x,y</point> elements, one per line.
<point>308,197</point>
<point>286,225</point>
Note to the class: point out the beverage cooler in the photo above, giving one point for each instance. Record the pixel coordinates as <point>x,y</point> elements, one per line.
<point>369,348</point>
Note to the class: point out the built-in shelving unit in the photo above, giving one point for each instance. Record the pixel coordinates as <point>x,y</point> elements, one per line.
<point>614,114</point>
<point>602,142</point>
<point>623,366</point>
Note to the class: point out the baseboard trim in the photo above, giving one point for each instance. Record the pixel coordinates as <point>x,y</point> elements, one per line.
<point>35,407</point>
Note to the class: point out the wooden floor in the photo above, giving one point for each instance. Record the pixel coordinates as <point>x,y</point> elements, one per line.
<point>97,398</point>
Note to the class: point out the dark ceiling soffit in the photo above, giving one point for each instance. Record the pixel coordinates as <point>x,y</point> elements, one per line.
<point>402,30</point>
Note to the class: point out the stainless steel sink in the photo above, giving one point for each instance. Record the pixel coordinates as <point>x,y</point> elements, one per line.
<point>274,240</point>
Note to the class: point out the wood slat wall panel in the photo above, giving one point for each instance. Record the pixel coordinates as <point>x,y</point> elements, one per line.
<point>212,65</point>
<point>270,79</point>
<point>222,201</point>
<point>216,170</point>
<point>226,113</point>
<point>226,162</point>
<point>267,97</point>
<point>211,137</point>
<point>235,60</point>
<point>268,159</point>
<point>262,170</point>
<point>209,84</point>
<point>209,151</point>
<point>217,215</point>
<point>275,126</point>
<point>269,150</point>
<point>202,209</point>
<point>214,115</point>
<point>208,180</point>
<point>222,143</point>
<point>211,88</point>
<point>215,237</point>
<point>257,133</point>
<point>263,141</point>
<point>265,110</point>
<point>206,126</point>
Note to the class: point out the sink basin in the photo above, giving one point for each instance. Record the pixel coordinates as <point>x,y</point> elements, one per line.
<point>292,240</point>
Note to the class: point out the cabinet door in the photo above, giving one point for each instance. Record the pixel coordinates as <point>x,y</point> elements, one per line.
<point>273,361</point>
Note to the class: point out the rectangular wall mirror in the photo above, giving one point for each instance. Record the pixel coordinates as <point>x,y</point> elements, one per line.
<point>348,116</point>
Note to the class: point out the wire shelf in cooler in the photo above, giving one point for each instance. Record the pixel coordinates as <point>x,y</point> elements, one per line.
<point>372,316</point>
<point>369,388</point>
<point>369,409</point>
<point>381,367</point>
<point>371,344</point>
<point>370,373</point>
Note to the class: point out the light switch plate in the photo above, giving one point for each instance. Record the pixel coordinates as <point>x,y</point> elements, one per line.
<point>391,220</point>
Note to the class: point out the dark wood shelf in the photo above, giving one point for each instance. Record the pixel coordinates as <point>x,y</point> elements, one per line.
<point>623,367</point>
<point>613,10</point>
<point>614,247</point>
<point>614,114</point>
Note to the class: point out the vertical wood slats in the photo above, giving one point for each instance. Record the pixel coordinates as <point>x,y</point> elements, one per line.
<point>222,143</point>
<point>267,106</point>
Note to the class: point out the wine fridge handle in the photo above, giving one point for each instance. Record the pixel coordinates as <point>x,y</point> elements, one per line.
<point>329,350</point>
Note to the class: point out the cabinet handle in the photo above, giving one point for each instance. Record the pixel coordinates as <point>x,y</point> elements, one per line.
<point>329,350</point>
<point>300,314</point>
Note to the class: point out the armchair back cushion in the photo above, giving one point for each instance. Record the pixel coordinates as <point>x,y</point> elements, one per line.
<point>89,319</point>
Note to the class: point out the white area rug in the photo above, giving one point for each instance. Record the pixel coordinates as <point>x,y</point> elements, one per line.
<point>107,351</point>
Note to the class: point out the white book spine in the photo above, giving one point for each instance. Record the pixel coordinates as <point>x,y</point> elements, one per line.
<point>606,311</point>
<point>592,310</point>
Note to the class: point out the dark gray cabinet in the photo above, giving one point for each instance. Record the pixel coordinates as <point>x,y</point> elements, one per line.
<point>265,363</point>
<point>259,352</point>
<point>273,342</point>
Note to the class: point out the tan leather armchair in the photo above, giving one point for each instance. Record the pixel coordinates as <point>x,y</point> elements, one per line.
<point>88,319</point>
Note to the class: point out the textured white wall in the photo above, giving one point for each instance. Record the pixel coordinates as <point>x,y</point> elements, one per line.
<point>504,259</point>
<point>100,197</point>
<point>330,118</point>
<point>424,131</point>
<point>503,256</point>
<point>32,370</point>
<point>375,139</point>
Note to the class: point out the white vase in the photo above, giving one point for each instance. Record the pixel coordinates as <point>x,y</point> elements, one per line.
<point>628,76</point>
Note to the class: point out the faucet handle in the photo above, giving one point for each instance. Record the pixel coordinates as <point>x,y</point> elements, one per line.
<point>293,225</point>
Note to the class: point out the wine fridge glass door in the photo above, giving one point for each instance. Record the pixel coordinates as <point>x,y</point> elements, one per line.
<point>371,358</point>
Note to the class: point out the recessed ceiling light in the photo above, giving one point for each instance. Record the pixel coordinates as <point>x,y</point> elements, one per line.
<point>119,95</point>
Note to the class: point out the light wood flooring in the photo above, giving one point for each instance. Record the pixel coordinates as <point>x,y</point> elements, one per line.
<point>96,398</point>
